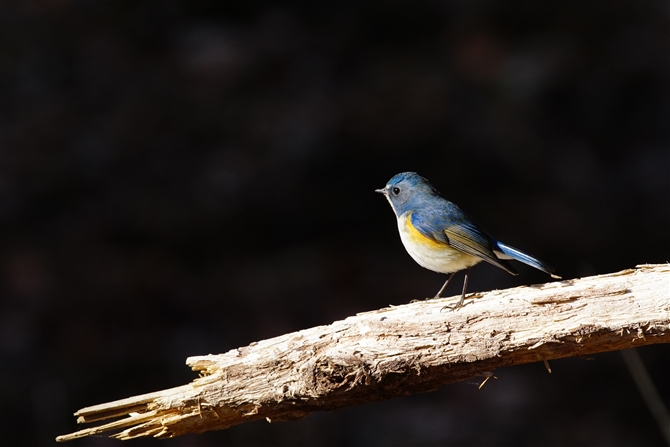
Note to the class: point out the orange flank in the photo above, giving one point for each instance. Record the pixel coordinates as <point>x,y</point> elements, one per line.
<point>416,237</point>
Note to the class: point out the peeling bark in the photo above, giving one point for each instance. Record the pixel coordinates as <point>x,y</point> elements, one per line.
<point>398,351</point>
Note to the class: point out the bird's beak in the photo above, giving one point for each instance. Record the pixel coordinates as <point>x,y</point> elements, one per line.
<point>381,191</point>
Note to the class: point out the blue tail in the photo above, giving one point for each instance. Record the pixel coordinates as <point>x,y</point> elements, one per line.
<point>507,252</point>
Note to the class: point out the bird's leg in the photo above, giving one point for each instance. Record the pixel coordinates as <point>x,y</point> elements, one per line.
<point>444,286</point>
<point>465,288</point>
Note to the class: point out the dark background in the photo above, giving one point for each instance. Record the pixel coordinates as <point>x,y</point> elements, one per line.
<point>186,178</point>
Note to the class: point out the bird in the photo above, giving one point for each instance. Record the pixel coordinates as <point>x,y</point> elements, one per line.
<point>440,237</point>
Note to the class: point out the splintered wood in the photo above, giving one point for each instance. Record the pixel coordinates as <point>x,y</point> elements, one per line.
<point>397,351</point>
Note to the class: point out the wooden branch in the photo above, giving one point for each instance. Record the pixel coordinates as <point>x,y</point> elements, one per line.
<point>398,351</point>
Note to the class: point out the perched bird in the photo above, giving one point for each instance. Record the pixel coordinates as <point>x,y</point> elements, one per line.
<point>441,237</point>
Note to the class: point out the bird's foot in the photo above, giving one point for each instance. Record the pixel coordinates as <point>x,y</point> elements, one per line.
<point>456,306</point>
<point>452,308</point>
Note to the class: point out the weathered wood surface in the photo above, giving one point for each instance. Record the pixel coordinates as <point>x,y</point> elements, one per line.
<point>398,351</point>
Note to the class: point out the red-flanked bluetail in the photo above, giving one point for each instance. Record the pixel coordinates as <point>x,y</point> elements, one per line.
<point>441,237</point>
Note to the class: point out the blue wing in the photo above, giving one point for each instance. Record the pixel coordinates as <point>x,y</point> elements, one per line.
<point>453,227</point>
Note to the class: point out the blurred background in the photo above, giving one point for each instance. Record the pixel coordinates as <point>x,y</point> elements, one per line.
<point>184,178</point>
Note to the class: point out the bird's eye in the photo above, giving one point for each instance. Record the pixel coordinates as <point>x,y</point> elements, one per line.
<point>395,190</point>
